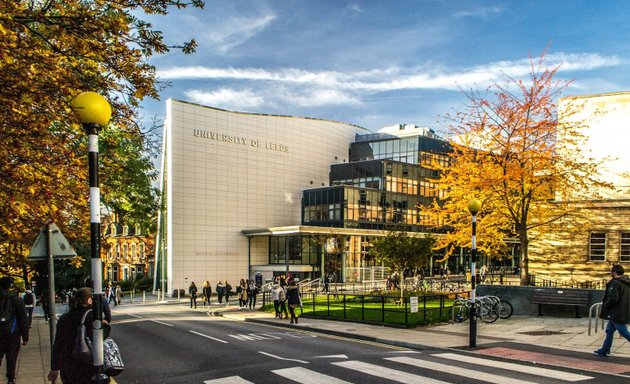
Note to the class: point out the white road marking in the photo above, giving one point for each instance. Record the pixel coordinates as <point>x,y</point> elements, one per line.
<point>306,376</point>
<point>208,336</point>
<point>282,358</point>
<point>545,372</point>
<point>387,373</point>
<point>228,380</point>
<point>459,371</point>
<point>331,357</point>
<point>163,323</point>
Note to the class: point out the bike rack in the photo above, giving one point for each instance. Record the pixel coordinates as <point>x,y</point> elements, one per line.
<point>597,307</point>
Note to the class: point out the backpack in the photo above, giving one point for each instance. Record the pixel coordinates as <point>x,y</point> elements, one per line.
<point>283,294</point>
<point>7,318</point>
<point>28,298</point>
<point>81,350</point>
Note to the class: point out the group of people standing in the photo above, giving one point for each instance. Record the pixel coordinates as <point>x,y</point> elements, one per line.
<point>286,293</point>
<point>247,290</point>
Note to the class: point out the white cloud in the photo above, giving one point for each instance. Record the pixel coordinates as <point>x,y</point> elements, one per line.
<point>395,78</point>
<point>234,31</point>
<point>227,98</point>
<point>484,13</point>
<point>263,88</point>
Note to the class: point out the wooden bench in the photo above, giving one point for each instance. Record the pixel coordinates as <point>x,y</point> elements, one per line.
<point>566,297</point>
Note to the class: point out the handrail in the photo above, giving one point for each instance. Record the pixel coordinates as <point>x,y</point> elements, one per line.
<point>597,307</point>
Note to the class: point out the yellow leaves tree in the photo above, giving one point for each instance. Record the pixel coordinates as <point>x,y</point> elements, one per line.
<point>507,153</point>
<point>50,51</point>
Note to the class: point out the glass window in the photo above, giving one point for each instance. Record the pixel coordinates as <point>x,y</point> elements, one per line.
<point>624,253</point>
<point>597,246</point>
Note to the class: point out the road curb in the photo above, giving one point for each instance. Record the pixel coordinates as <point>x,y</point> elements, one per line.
<point>339,333</point>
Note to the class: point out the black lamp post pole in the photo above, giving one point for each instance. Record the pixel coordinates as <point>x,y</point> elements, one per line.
<point>92,130</point>
<point>473,307</point>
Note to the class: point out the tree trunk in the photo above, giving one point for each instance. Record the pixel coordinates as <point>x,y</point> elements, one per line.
<point>524,242</point>
<point>402,287</point>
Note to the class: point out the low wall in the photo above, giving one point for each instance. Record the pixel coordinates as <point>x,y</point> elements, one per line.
<point>521,299</point>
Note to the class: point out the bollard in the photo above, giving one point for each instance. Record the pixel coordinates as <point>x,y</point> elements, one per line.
<point>131,296</point>
<point>144,298</point>
<point>178,291</point>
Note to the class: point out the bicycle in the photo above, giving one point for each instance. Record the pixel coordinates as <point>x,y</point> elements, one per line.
<point>487,309</point>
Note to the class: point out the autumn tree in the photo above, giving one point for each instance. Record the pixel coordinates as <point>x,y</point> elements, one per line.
<point>50,51</point>
<point>512,152</point>
<point>399,251</point>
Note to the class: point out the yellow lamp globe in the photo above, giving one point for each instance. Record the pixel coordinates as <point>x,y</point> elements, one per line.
<point>474,206</point>
<point>92,108</point>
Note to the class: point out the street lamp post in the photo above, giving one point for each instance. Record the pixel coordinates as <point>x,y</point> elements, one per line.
<point>94,112</point>
<point>474,206</point>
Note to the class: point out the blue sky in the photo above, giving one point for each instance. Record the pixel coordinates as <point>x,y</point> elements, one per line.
<point>377,63</point>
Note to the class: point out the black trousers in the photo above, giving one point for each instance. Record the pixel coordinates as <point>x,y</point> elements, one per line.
<point>10,347</point>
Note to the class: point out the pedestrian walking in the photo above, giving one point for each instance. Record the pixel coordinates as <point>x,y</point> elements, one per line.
<point>228,292</point>
<point>29,302</point>
<point>62,360</point>
<point>294,300</point>
<point>192,291</point>
<point>277,295</point>
<point>241,293</point>
<point>13,326</point>
<point>326,283</point>
<point>220,288</point>
<point>615,308</point>
<point>113,294</point>
<point>43,299</point>
<point>251,295</point>
<point>119,294</point>
<point>206,292</point>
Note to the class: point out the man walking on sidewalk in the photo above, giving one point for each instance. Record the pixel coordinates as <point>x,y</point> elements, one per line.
<point>615,308</point>
<point>13,326</point>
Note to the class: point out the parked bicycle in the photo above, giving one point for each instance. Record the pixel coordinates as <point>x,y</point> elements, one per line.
<point>487,309</point>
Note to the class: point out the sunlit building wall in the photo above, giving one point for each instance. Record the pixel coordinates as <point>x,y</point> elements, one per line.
<point>225,172</point>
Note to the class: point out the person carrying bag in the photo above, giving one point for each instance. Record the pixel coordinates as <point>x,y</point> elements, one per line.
<point>71,356</point>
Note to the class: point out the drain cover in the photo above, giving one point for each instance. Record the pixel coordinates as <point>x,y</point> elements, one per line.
<point>541,333</point>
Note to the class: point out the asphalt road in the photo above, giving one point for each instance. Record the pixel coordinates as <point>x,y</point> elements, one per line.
<point>175,345</point>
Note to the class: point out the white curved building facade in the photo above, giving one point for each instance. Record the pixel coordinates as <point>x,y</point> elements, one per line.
<point>224,172</point>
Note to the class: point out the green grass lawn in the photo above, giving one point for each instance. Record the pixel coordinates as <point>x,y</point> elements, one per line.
<point>376,309</point>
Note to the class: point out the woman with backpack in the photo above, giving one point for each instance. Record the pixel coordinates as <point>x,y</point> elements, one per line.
<point>64,358</point>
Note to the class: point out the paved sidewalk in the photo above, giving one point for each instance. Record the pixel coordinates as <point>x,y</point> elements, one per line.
<point>548,340</point>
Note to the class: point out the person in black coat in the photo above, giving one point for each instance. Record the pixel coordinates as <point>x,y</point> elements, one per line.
<point>15,327</point>
<point>293,298</point>
<point>73,371</point>
<point>615,308</point>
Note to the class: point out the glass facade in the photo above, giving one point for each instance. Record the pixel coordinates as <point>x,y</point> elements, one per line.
<point>302,250</point>
<point>386,182</point>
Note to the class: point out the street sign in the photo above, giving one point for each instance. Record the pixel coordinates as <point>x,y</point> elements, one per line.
<point>59,246</point>
<point>413,304</point>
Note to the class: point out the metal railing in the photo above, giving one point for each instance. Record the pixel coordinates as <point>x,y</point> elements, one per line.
<point>597,308</point>
<point>375,309</point>
<point>539,281</point>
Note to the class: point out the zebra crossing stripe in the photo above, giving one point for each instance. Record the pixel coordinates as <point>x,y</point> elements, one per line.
<point>458,371</point>
<point>228,380</point>
<point>537,371</point>
<point>306,376</point>
<point>387,373</point>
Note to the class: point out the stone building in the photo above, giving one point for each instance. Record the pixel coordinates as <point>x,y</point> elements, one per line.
<point>127,252</point>
<point>582,247</point>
